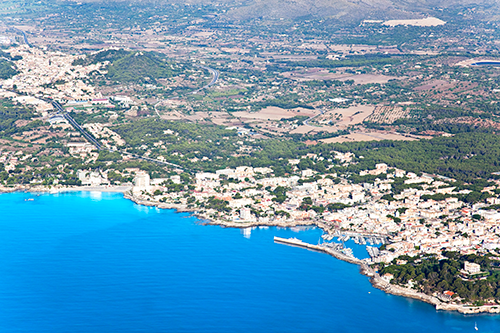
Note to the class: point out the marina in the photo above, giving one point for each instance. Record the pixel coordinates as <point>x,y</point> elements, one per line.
<point>373,251</point>
<point>335,249</point>
<point>340,249</point>
<point>357,238</point>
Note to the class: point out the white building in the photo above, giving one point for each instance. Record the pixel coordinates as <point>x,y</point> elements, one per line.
<point>472,268</point>
<point>79,147</point>
<point>357,196</point>
<point>245,214</point>
<point>307,173</point>
<point>89,178</point>
<point>176,179</point>
<point>142,180</point>
<point>4,40</point>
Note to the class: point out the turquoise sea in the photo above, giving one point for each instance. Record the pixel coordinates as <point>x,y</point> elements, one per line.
<point>95,262</point>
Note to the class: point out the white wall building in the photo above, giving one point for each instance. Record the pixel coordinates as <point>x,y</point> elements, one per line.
<point>471,267</point>
<point>245,214</point>
<point>142,180</point>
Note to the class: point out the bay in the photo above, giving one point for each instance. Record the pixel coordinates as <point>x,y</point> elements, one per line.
<point>95,262</point>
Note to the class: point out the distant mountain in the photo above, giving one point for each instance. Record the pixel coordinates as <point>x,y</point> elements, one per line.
<point>332,9</point>
<point>336,9</point>
<point>352,9</point>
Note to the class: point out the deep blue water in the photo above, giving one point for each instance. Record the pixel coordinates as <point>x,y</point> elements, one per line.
<point>91,262</point>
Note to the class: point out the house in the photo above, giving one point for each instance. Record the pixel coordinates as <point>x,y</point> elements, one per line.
<point>142,180</point>
<point>472,268</point>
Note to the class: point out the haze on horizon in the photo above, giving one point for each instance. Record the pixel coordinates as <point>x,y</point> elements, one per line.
<point>348,11</point>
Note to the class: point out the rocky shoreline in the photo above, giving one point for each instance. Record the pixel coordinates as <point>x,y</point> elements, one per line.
<point>209,221</point>
<point>375,279</point>
<point>392,289</point>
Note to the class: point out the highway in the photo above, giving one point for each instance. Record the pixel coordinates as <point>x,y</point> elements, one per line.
<point>60,110</point>
<point>73,123</point>
<point>24,36</point>
<point>306,122</point>
<point>93,141</point>
<point>215,77</point>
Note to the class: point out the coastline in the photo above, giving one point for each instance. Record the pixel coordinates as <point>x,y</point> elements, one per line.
<point>209,221</point>
<point>374,278</point>
<point>392,289</point>
<point>62,189</point>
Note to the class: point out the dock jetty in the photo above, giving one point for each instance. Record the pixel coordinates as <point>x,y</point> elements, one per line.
<point>320,248</point>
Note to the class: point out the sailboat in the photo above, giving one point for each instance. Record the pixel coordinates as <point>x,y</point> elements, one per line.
<point>475,326</point>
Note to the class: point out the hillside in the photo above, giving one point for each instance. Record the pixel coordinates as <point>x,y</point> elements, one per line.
<point>350,10</point>
<point>129,66</point>
<point>139,66</point>
<point>106,55</point>
<point>356,10</point>
<point>7,69</point>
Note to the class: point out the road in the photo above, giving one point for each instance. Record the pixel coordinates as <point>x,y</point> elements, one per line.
<point>25,37</point>
<point>93,141</point>
<point>73,123</point>
<point>60,110</point>
<point>215,77</point>
<point>306,122</point>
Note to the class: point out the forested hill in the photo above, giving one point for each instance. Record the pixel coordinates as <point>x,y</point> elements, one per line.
<point>102,56</point>
<point>7,69</point>
<point>137,66</point>
<point>465,156</point>
<point>7,66</point>
<point>133,66</point>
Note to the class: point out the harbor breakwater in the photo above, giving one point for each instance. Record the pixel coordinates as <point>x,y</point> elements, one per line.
<point>378,282</point>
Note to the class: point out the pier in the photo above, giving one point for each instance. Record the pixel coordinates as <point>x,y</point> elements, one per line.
<point>320,248</point>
